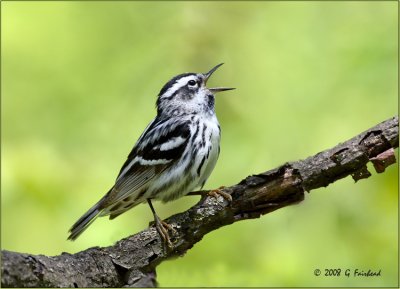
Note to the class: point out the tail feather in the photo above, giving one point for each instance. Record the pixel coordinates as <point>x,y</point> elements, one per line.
<point>84,222</point>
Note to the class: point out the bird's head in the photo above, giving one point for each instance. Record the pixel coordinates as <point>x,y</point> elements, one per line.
<point>187,94</point>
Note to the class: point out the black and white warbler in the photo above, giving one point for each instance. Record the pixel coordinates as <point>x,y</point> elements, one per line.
<point>174,155</point>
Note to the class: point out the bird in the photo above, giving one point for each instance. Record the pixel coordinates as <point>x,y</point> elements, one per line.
<point>175,154</point>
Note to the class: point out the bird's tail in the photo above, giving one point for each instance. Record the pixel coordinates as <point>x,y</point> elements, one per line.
<point>84,221</point>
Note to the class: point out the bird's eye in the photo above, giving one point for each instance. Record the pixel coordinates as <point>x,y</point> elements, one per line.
<point>191,82</point>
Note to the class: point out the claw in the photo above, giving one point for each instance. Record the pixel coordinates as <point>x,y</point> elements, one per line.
<point>216,192</point>
<point>162,227</point>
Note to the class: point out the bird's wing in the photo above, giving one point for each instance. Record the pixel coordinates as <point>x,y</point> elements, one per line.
<point>159,148</point>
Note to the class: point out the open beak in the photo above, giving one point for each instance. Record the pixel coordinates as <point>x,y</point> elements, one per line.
<point>218,89</point>
<point>215,89</point>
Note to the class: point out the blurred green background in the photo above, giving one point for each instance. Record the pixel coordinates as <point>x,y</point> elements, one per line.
<point>79,83</point>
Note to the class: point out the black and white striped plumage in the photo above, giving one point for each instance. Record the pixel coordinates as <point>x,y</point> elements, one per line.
<point>175,154</point>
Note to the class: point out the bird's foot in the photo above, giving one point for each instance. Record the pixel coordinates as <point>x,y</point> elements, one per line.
<point>162,229</point>
<point>216,192</point>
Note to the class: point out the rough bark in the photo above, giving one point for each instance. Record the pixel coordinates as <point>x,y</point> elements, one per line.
<point>131,262</point>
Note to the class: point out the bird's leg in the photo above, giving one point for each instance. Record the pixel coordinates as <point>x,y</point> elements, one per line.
<point>214,193</point>
<point>161,226</point>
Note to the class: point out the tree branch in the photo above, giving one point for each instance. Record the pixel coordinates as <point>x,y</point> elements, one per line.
<point>131,262</point>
